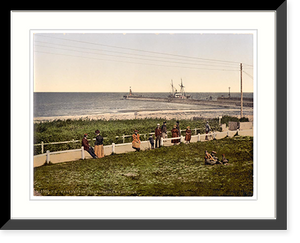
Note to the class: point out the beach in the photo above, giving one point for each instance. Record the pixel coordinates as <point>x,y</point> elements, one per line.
<point>165,114</point>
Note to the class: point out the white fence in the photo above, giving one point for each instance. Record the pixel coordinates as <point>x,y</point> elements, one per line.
<point>109,149</point>
<point>42,144</point>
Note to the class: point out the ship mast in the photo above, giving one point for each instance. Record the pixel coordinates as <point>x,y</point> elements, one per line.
<point>172,87</point>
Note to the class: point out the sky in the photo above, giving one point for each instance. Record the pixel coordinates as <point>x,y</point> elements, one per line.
<point>146,62</point>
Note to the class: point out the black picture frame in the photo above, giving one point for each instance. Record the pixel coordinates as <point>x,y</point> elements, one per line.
<point>281,221</point>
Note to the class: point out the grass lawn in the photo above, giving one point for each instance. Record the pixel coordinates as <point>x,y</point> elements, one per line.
<point>167,171</point>
<point>67,130</point>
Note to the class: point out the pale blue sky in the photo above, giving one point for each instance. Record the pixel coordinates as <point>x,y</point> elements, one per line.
<point>111,62</point>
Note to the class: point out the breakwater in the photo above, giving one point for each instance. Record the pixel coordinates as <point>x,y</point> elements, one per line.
<point>220,102</point>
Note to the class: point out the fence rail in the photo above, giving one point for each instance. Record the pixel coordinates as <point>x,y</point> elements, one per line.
<point>42,144</point>
<point>112,147</point>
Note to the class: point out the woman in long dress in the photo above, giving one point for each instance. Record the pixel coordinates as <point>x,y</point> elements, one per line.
<point>175,134</point>
<point>188,134</point>
<point>136,142</point>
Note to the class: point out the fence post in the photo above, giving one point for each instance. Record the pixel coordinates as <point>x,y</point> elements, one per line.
<point>198,137</point>
<point>161,141</point>
<point>123,138</point>
<point>48,156</point>
<point>82,152</point>
<point>195,131</point>
<point>113,148</point>
<point>181,139</point>
<point>42,145</point>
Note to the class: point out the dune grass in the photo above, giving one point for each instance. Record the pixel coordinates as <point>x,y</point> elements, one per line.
<point>168,171</point>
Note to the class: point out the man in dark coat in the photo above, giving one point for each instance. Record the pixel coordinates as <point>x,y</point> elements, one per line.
<point>157,136</point>
<point>99,150</point>
<point>164,131</point>
<point>87,147</point>
<point>178,128</point>
<point>207,130</point>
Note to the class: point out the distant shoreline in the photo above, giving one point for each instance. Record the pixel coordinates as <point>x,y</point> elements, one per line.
<point>165,114</point>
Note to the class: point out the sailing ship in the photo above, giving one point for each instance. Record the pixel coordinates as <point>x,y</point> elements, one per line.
<point>178,95</point>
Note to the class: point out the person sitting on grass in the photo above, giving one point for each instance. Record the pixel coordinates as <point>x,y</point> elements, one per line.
<point>211,160</point>
<point>87,147</point>
<point>224,160</point>
<point>213,154</point>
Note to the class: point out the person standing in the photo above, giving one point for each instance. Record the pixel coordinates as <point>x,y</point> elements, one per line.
<point>175,134</point>
<point>99,150</point>
<point>207,130</point>
<point>157,136</point>
<point>151,140</point>
<point>178,128</point>
<point>188,134</point>
<point>164,132</point>
<point>87,147</point>
<point>136,142</point>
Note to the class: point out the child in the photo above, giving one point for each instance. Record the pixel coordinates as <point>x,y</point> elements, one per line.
<point>151,140</point>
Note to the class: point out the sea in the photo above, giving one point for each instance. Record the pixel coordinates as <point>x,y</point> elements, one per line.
<point>59,104</point>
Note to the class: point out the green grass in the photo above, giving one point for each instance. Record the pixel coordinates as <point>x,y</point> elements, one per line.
<point>66,130</point>
<point>168,171</point>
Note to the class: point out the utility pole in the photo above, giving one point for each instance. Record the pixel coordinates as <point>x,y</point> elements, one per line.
<point>241,69</point>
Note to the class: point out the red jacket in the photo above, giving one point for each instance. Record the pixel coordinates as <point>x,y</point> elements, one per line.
<point>157,132</point>
<point>85,144</point>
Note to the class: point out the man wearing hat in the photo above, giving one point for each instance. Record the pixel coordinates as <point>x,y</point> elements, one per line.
<point>207,130</point>
<point>87,147</point>
<point>164,132</point>
<point>157,136</point>
<point>213,154</point>
<point>99,150</point>
<point>178,128</point>
<point>136,142</point>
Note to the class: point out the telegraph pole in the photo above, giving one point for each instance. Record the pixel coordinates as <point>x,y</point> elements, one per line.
<point>241,70</point>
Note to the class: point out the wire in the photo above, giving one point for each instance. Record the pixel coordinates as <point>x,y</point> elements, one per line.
<point>196,62</point>
<point>247,74</point>
<point>91,58</point>
<point>133,49</point>
<point>146,59</point>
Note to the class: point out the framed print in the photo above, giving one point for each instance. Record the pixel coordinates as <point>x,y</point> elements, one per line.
<point>148,119</point>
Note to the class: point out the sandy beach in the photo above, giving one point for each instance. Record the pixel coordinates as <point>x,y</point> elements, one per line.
<point>165,114</point>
